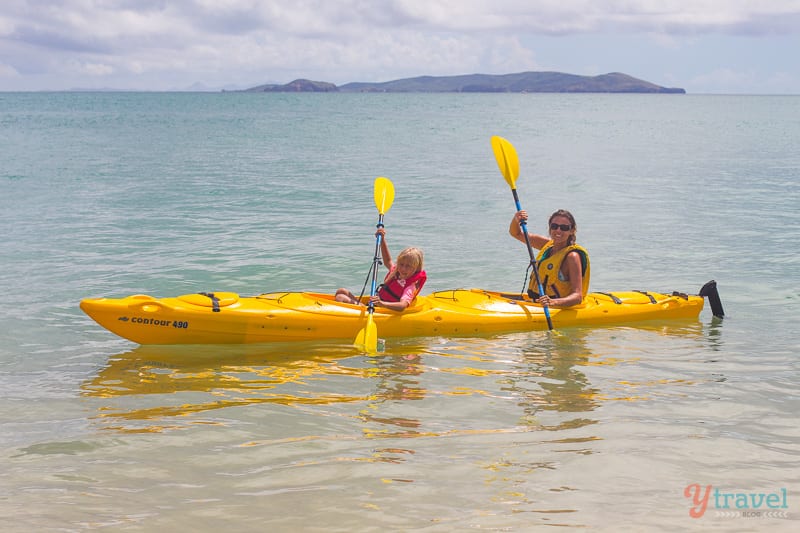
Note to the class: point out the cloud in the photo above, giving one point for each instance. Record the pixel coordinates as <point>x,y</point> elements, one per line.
<point>727,80</point>
<point>7,71</point>
<point>725,77</point>
<point>158,43</point>
<point>94,69</point>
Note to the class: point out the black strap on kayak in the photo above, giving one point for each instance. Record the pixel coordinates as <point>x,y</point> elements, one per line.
<point>512,296</point>
<point>652,300</point>
<point>214,301</point>
<point>613,298</point>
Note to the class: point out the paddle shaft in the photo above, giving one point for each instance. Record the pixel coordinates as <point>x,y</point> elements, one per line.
<point>375,263</point>
<point>368,335</point>
<point>524,226</point>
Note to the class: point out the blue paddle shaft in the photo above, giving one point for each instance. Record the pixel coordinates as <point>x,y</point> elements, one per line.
<point>533,260</point>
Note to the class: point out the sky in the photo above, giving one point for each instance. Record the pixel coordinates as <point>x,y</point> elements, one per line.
<point>703,46</point>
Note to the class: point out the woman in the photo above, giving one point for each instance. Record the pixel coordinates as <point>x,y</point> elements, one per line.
<point>563,266</point>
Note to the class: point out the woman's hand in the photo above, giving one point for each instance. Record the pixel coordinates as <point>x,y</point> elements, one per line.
<point>515,228</point>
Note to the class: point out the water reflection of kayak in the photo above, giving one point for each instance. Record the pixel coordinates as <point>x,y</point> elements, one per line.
<point>227,318</point>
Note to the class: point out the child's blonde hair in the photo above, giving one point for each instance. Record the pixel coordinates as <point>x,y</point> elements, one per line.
<point>414,255</point>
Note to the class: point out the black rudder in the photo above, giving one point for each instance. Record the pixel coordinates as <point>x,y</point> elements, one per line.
<point>709,291</point>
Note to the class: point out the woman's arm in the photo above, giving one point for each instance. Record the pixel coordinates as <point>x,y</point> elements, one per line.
<point>515,230</point>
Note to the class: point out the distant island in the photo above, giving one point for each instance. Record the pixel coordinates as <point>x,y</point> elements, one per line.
<point>522,82</point>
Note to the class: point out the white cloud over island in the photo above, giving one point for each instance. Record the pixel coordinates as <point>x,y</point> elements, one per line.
<point>727,46</point>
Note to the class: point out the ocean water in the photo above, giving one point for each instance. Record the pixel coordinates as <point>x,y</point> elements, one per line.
<point>611,429</point>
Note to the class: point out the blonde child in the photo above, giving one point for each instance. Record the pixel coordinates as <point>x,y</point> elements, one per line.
<point>401,285</point>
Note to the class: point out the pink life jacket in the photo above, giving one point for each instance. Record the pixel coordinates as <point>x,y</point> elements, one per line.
<point>392,290</point>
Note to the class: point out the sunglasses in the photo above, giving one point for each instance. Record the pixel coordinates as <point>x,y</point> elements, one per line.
<point>562,227</point>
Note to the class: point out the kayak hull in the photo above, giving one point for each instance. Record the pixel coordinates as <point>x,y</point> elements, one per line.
<point>227,318</point>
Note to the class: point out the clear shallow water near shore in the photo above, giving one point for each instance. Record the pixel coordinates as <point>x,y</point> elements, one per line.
<point>164,194</point>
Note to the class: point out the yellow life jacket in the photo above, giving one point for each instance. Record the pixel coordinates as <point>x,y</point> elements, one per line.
<point>549,267</point>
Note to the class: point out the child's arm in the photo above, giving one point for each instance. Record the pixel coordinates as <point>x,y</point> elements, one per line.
<point>394,306</point>
<point>408,296</point>
<point>385,254</point>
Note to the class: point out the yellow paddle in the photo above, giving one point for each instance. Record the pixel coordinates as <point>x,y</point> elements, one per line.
<point>367,337</point>
<point>507,160</point>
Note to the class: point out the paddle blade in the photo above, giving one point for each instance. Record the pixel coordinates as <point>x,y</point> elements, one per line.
<point>367,337</point>
<point>384,194</point>
<point>507,160</point>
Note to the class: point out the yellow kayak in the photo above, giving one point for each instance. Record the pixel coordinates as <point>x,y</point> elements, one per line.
<point>227,318</point>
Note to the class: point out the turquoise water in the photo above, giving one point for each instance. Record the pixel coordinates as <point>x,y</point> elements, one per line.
<point>165,194</point>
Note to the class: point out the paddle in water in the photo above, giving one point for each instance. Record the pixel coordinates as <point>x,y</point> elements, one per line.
<point>507,160</point>
<point>367,337</point>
